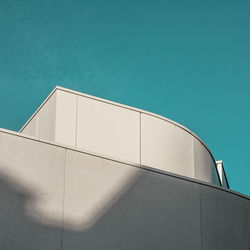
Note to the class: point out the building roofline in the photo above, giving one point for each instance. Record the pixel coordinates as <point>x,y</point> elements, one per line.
<point>148,168</point>
<point>122,106</point>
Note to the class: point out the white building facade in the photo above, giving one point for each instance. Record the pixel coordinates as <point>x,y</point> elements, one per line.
<point>87,173</point>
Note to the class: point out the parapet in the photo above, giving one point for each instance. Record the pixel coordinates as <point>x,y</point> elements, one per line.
<point>123,133</point>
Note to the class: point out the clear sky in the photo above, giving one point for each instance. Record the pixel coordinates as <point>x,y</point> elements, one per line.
<point>186,60</point>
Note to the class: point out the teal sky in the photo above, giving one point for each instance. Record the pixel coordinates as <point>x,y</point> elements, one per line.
<point>186,60</point>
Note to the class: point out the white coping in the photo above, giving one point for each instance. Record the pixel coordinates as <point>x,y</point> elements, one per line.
<point>119,105</point>
<point>221,172</point>
<point>219,162</point>
<point>156,170</point>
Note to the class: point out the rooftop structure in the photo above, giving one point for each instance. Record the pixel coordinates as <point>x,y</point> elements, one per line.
<point>123,133</point>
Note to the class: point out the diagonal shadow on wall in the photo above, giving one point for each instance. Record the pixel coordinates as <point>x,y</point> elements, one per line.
<point>155,212</point>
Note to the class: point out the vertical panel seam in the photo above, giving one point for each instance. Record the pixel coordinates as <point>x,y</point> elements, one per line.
<point>193,157</point>
<point>55,115</point>
<point>76,119</point>
<point>37,120</point>
<point>64,191</point>
<point>140,136</point>
<point>200,217</point>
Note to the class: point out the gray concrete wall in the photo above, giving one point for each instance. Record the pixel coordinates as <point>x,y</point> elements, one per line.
<point>122,132</point>
<point>54,197</point>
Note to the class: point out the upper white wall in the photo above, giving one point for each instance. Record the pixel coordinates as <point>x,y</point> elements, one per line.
<point>204,165</point>
<point>47,120</point>
<point>123,133</point>
<point>108,129</point>
<point>42,124</point>
<point>166,146</point>
<point>65,123</point>
<point>31,128</point>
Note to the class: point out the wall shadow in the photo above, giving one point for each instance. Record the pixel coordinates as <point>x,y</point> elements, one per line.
<point>148,216</point>
<point>17,229</point>
<point>156,212</point>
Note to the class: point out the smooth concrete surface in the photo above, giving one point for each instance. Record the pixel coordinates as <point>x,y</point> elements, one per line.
<point>65,122</point>
<point>165,146</point>
<point>53,197</point>
<point>31,194</point>
<point>121,132</point>
<point>225,220</point>
<point>108,129</point>
<point>121,207</point>
<point>32,128</point>
<point>205,168</point>
<point>93,185</point>
<point>46,120</point>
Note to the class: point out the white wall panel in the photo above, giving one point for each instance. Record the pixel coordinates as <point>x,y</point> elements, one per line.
<point>165,146</point>
<point>65,118</point>
<point>31,128</point>
<point>93,185</point>
<point>46,120</point>
<point>205,169</point>
<point>107,129</point>
<point>31,181</point>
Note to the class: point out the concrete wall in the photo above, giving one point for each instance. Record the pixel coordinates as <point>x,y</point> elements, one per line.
<point>43,124</point>
<point>121,132</point>
<point>54,197</point>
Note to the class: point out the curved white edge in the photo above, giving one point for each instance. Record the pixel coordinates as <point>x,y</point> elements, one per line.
<point>2,130</point>
<point>119,105</point>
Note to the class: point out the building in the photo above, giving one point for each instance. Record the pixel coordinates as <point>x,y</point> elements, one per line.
<point>87,173</point>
